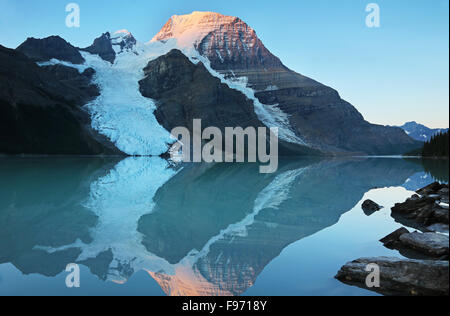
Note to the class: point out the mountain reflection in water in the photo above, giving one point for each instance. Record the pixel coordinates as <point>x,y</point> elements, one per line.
<point>200,229</point>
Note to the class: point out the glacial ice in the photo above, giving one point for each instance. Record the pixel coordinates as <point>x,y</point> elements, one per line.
<point>121,112</point>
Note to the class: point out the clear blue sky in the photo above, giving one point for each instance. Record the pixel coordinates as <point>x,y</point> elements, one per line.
<point>393,74</point>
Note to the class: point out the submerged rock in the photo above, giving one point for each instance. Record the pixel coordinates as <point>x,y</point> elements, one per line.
<point>369,207</point>
<point>400,276</point>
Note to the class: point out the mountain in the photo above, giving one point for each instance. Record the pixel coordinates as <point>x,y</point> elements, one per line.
<point>209,66</point>
<point>185,91</point>
<point>40,108</point>
<point>315,112</point>
<point>421,132</point>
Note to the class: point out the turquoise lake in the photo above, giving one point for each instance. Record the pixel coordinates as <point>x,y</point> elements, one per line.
<point>141,226</point>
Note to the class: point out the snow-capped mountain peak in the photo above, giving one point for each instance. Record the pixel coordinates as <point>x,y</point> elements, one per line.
<point>421,132</point>
<point>123,33</point>
<point>122,40</point>
<point>191,29</point>
<point>228,47</point>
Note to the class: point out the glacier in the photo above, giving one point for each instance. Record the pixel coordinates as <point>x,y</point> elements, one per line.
<point>121,113</point>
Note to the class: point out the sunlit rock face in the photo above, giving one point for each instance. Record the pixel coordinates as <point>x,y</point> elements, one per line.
<point>231,46</point>
<point>228,42</point>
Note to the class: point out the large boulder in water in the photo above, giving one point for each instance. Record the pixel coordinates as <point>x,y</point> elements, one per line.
<point>399,276</point>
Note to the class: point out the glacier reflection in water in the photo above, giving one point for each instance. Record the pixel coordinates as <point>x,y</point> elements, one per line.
<point>200,229</point>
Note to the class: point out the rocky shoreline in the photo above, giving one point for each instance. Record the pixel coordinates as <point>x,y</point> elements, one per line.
<point>425,271</point>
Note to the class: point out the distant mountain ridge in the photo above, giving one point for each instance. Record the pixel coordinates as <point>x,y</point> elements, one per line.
<point>421,132</point>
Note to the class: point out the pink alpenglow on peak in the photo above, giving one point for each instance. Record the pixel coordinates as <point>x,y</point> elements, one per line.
<point>192,28</point>
<point>122,32</point>
<point>227,42</point>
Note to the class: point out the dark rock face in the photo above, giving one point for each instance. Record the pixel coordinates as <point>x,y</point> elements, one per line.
<point>69,76</point>
<point>50,47</point>
<point>102,46</point>
<point>185,92</point>
<point>369,207</point>
<point>317,113</point>
<point>400,277</point>
<point>40,109</point>
<point>326,121</point>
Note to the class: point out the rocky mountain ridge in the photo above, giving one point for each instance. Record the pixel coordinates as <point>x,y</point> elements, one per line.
<point>40,109</point>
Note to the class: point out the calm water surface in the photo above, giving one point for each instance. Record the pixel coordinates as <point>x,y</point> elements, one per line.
<point>140,226</point>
